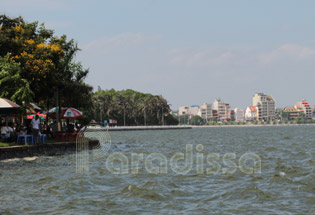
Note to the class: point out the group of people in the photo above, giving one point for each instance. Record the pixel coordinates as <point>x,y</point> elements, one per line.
<point>35,127</point>
<point>11,131</point>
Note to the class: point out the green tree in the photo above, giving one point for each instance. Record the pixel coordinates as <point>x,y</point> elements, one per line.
<point>301,118</point>
<point>135,108</point>
<point>10,75</point>
<point>196,120</point>
<point>46,62</point>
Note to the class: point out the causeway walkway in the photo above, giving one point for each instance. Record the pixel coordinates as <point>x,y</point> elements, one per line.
<point>137,128</point>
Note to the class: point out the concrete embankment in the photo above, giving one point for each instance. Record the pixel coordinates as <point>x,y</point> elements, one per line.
<point>138,128</point>
<point>49,149</point>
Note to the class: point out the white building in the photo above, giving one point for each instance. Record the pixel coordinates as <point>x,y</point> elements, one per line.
<point>183,110</point>
<point>239,115</point>
<point>251,113</point>
<point>205,112</point>
<point>191,111</point>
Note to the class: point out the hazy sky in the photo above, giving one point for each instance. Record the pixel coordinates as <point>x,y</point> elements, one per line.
<point>189,51</point>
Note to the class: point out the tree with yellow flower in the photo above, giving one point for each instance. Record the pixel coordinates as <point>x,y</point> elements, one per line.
<point>46,62</point>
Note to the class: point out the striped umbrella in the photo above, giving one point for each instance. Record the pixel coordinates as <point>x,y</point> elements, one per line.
<point>66,113</point>
<point>41,116</point>
<point>71,113</point>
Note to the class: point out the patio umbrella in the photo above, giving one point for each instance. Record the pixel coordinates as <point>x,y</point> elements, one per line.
<point>7,106</point>
<point>71,113</point>
<point>33,108</point>
<point>41,116</point>
<point>66,113</point>
<point>52,112</point>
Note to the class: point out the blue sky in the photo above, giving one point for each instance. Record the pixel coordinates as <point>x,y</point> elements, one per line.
<point>189,51</point>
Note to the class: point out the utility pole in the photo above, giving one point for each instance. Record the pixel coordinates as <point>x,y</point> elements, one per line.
<point>57,109</point>
<point>162,117</point>
<point>124,116</point>
<point>101,114</point>
<point>145,120</point>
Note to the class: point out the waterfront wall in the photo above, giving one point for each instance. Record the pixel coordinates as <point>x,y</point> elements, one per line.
<point>49,149</point>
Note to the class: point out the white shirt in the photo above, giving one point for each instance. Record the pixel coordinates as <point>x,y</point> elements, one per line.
<point>4,130</point>
<point>35,123</point>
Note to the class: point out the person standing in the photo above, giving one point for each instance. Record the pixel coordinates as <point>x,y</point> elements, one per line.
<point>35,128</point>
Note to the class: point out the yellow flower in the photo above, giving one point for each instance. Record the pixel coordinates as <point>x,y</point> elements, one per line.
<point>23,53</point>
<point>18,28</point>
<point>55,48</point>
<point>30,42</point>
<point>41,45</point>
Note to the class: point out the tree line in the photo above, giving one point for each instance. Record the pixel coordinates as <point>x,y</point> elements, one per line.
<point>131,107</point>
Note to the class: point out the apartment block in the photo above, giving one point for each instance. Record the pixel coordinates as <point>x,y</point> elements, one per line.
<point>293,113</point>
<point>238,115</point>
<point>205,112</point>
<point>265,105</point>
<point>223,110</point>
<point>305,107</point>
<point>191,111</point>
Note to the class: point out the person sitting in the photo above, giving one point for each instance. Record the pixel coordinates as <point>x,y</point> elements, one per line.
<point>48,130</point>
<point>54,128</point>
<point>70,128</point>
<point>5,132</point>
<point>22,130</point>
<point>13,135</point>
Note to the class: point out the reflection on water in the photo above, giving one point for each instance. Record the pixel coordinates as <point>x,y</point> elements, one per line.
<point>286,184</point>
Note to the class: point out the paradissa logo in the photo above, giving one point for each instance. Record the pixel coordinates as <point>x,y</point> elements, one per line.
<point>183,163</point>
<point>157,163</point>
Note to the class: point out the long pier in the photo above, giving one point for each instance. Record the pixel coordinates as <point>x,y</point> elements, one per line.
<point>137,128</point>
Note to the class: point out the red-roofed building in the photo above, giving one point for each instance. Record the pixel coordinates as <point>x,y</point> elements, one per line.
<point>251,113</point>
<point>305,107</point>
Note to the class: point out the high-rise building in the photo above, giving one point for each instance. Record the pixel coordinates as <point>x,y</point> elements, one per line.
<point>265,105</point>
<point>305,107</point>
<point>223,109</point>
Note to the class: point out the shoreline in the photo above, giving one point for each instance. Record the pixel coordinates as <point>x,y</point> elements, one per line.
<point>252,125</point>
<point>138,128</point>
<point>50,149</point>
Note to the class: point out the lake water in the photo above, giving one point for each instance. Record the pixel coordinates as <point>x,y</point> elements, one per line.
<point>279,179</point>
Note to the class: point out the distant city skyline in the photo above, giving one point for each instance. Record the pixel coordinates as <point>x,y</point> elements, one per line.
<point>189,51</point>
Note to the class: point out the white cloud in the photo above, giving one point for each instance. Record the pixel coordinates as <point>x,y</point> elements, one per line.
<point>291,51</point>
<point>121,41</point>
<point>222,58</point>
<point>198,58</point>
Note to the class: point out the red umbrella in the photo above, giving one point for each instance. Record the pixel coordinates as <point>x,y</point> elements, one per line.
<point>71,113</point>
<point>66,113</point>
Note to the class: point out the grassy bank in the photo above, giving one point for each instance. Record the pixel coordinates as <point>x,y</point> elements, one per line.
<point>4,144</point>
